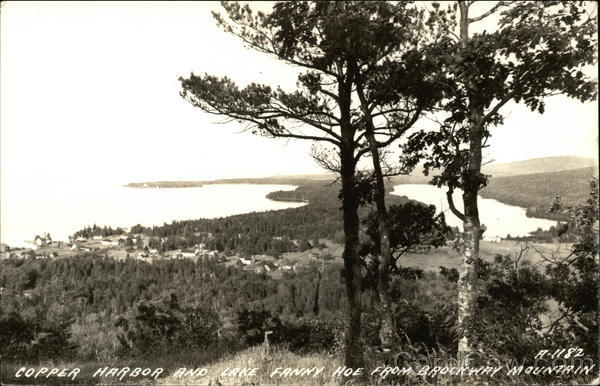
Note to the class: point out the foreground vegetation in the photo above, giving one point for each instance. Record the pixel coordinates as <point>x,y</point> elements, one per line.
<point>95,311</point>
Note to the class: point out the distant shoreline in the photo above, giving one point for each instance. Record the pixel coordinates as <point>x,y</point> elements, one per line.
<point>531,184</point>
<point>164,184</point>
<point>275,180</point>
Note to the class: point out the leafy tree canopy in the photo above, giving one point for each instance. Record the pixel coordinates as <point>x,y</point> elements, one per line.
<point>335,43</point>
<point>539,49</point>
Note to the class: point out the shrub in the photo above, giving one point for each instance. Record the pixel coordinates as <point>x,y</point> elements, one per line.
<point>156,328</point>
<point>15,336</point>
<point>95,337</point>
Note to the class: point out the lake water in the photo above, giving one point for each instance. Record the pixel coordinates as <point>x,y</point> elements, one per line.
<point>500,219</point>
<point>61,211</point>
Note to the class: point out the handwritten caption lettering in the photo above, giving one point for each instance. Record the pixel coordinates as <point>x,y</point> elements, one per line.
<point>554,362</point>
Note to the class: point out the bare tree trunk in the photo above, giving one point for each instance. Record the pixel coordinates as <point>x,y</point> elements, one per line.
<point>316,301</point>
<point>352,268</point>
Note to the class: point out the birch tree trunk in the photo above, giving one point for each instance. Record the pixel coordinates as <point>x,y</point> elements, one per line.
<point>387,330</point>
<point>467,283</point>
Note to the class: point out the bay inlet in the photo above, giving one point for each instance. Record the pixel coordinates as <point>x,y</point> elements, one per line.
<point>62,210</point>
<point>499,218</point>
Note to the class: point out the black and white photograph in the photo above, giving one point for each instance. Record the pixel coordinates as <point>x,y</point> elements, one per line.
<point>299,193</point>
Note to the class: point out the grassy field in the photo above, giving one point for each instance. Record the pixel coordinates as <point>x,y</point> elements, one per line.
<point>450,258</point>
<point>446,256</point>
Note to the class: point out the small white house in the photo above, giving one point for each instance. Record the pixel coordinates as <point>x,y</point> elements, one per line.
<point>297,266</point>
<point>42,240</point>
<point>188,253</point>
<point>32,245</point>
<point>270,267</point>
<point>98,238</point>
<point>245,261</point>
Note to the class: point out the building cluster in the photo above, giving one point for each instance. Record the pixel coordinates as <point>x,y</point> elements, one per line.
<point>198,251</point>
<point>136,246</point>
<point>264,264</point>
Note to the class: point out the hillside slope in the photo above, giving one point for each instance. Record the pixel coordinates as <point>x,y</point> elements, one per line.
<point>539,165</point>
<point>537,191</point>
<point>518,168</point>
<point>530,166</point>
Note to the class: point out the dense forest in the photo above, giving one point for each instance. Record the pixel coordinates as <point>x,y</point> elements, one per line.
<point>94,230</point>
<point>91,307</point>
<point>270,232</point>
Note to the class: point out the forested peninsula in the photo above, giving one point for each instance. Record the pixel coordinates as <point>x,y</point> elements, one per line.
<point>531,184</point>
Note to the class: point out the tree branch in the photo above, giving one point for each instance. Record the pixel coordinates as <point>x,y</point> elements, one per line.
<point>455,211</point>
<point>495,109</point>
<point>273,50</point>
<point>400,132</point>
<point>215,110</point>
<point>498,5</point>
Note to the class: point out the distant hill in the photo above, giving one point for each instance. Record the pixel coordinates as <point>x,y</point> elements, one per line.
<point>539,165</point>
<point>311,177</point>
<point>537,191</point>
<point>530,166</point>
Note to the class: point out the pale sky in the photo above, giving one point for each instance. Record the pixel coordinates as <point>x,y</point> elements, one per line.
<point>89,92</point>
